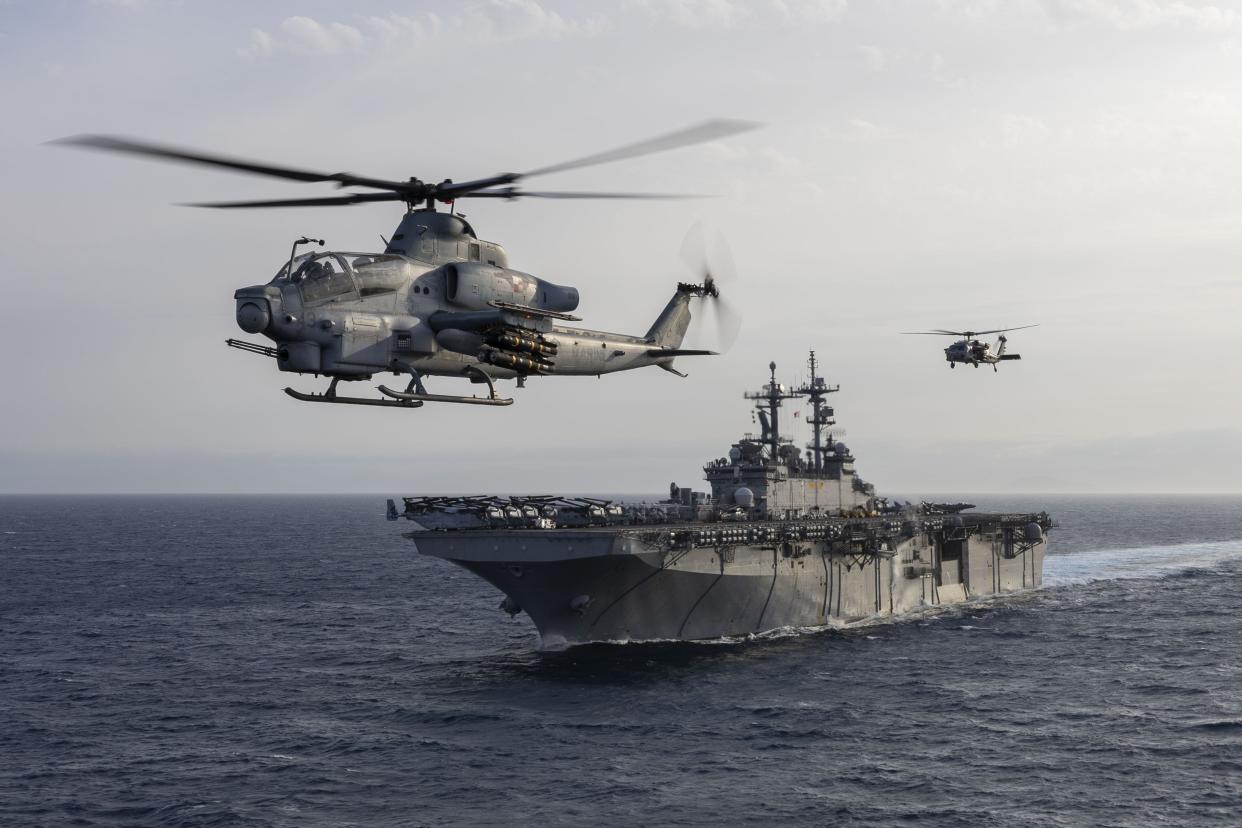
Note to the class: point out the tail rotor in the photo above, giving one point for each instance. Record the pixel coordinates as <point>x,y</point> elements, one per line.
<point>721,322</point>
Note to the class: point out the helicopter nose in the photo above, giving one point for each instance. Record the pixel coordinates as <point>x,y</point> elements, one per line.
<point>253,315</point>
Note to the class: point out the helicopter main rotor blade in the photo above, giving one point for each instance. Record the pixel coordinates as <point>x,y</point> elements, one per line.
<point>329,201</point>
<point>1003,330</point>
<point>413,190</point>
<point>111,143</point>
<point>697,134</point>
<point>514,193</point>
<point>967,334</point>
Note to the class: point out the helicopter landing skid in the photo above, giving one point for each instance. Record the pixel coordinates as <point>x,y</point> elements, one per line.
<point>416,393</point>
<point>330,396</point>
<point>402,398</point>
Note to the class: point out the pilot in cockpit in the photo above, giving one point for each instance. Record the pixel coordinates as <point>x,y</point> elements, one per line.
<point>315,269</point>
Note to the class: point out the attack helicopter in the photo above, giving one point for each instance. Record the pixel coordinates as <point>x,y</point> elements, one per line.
<point>439,300</point>
<point>972,351</point>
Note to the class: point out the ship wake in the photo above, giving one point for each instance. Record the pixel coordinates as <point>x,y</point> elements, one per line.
<point>1138,562</point>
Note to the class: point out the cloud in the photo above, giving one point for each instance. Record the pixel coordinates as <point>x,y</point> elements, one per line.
<point>701,14</point>
<point>731,14</point>
<point>523,19</point>
<point>503,21</point>
<point>1124,15</point>
<point>494,21</point>
<point>1147,14</point>
<point>811,11</point>
<point>260,45</point>
<point>311,37</point>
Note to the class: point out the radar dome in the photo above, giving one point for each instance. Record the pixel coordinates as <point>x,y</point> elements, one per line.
<point>841,449</point>
<point>744,497</point>
<point>735,454</point>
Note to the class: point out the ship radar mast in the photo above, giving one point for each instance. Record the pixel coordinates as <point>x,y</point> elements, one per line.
<point>770,398</point>
<point>821,414</point>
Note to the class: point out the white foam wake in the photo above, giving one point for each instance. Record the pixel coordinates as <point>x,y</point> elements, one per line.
<point>1138,562</point>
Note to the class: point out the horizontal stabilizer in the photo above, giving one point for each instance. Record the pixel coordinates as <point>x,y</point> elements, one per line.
<point>1010,356</point>
<point>676,352</point>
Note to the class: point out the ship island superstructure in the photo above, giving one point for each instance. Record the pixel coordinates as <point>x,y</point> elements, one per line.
<point>785,538</point>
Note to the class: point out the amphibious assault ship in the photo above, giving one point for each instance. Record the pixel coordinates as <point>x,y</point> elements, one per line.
<point>783,539</point>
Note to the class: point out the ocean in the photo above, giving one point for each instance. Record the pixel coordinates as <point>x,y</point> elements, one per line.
<point>290,661</point>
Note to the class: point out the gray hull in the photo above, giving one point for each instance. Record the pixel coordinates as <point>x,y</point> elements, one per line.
<point>584,586</point>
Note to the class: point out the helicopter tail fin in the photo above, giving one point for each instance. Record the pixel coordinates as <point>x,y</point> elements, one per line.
<point>670,326</point>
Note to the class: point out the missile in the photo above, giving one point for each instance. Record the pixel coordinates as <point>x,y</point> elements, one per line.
<point>521,364</point>
<point>510,340</point>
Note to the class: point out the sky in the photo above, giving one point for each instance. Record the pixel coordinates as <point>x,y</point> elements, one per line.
<point>1075,164</point>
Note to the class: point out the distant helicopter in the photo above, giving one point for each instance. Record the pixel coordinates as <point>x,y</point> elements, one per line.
<point>440,301</point>
<point>972,351</point>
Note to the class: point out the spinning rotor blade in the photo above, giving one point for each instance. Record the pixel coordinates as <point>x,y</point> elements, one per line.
<point>966,334</point>
<point>329,201</point>
<point>706,131</point>
<point>1003,330</point>
<point>413,190</point>
<point>694,250</point>
<point>110,143</point>
<point>725,320</point>
<point>697,134</point>
<point>728,320</point>
<point>513,193</point>
<point>720,315</point>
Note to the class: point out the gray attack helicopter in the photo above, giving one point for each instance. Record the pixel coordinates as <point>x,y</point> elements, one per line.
<point>972,351</point>
<point>439,300</point>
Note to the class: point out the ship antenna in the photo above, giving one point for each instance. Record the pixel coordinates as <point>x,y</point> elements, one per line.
<point>821,414</point>
<point>770,398</point>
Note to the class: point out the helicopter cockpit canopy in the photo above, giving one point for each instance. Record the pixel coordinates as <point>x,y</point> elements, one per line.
<point>324,276</point>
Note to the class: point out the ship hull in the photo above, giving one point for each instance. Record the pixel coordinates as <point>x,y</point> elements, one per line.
<point>584,586</point>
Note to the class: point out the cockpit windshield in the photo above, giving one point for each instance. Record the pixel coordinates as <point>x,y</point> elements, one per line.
<point>377,273</point>
<point>297,262</point>
<point>325,276</point>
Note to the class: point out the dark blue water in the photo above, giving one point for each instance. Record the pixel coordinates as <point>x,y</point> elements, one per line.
<point>288,662</point>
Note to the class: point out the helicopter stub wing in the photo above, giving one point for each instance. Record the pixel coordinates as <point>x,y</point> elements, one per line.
<point>527,309</point>
<point>503,313</point>
<point>518,317</point>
